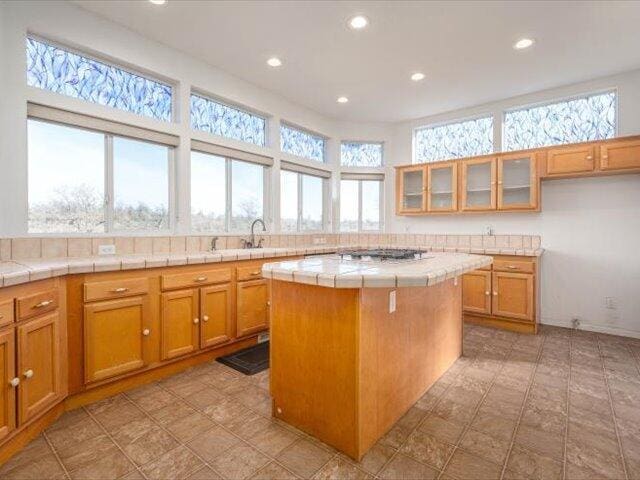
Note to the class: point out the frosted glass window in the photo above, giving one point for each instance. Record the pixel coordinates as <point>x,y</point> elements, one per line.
<point>312,203</point>
<point>454,140</point>
<point>230,122</point>
<point>358,154</point>
<point>66,179</point>
<point>288,201</point>
<point>208,193</point>
<point>247,194</point>
<point>301,143</point>
<point>58,70</point>
<point>140,185</point>
<point>360,202</point>
<point>577,120</point>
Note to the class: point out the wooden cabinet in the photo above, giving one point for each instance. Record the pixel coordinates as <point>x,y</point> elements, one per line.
<point>478,184</point>
<point>620,155</point>
<point>180,323</point>
<point>517,182</point>
<point>216,306</point>
<point>442,187</point>
<point>252,307</point>
<point>9,383</point>
<point>512,295</point>
<point>411,189</point>
<point>562,161</point>
<point>39,366</point>
<point>476,291</point>
<point>115,333</point>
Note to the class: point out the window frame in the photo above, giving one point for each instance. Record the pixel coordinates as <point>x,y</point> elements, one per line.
<point>363,142</point>
<point>568,98</point>
<point>306,131</point>
<point>109,188</point>
<point>444,123</point>
<point>300,208</point>
<point>363,178</point>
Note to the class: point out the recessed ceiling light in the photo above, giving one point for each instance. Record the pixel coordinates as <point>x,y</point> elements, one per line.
<point>342,100</point>
<point>523,43</point>
<point>274,62</point>
<point>416,77</point>
<point>158,2</point>
<point>358,22</point>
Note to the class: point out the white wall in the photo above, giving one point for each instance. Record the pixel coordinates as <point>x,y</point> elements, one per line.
<point>590,228</point>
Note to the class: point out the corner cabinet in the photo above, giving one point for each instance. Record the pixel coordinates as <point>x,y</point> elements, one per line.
<point>253,307</point>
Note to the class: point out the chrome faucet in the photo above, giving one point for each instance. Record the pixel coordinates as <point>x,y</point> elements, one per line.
<point>252,239</point>
<point>214,240</point>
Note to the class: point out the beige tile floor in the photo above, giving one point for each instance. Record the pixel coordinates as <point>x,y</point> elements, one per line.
<point>562,405</point>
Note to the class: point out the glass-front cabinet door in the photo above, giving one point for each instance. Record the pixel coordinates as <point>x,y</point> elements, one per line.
<point>412,185</point>
<point>442,187</point>
<point>517,182</point>
<point>478,189</point>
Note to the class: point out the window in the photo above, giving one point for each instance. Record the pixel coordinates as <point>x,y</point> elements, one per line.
<point>214,117</point>
<point>359,154</point>
<point>226,194</point>
<point>577,120</point>
<point>301,144</point>
<point>61,71</point>
<point>301,202</point>
<point>454,140</point>
<point>68,174</point>
<point>360,204</point>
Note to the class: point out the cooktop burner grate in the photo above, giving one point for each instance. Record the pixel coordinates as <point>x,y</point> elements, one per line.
<point>382,254</point>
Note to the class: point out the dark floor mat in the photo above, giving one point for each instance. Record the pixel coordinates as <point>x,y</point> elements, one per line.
<point>250,360</point>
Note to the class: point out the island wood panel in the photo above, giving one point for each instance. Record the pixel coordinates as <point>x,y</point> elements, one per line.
<point>345,370</point>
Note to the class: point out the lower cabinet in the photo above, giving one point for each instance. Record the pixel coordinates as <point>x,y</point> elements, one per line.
<point>512,295</point>
<point>179,320</point>
<point>476,291</point>
<point>39,368</point>
<point>114,337</point>
<point>216,304</point>
<point>252,307</point>
<point>9,385</point>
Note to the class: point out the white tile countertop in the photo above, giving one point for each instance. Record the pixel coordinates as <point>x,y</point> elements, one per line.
<point>332,271</point>
<point>22,271</point>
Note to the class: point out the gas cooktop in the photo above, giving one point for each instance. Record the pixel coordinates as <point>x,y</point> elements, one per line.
<point>380,254</point>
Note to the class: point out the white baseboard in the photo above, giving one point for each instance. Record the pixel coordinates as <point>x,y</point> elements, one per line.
<point>592,328</point>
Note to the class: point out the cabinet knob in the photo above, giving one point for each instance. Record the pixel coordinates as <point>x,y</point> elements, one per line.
<point>28,373</point>
<point>487,293</point>
<point>268,303</point>
<point>589,157</point>
<point>205,318</point>
<point>495,294</point>
<point>196,320</point>
<point>14,382</point>
<point>146,332</point>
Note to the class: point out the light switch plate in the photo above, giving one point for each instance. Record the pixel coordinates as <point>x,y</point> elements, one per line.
<point>106,249</point>
<point>392,301</point>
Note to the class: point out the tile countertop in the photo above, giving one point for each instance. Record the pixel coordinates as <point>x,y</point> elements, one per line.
<point>331,271</point>
<point>23,271</point>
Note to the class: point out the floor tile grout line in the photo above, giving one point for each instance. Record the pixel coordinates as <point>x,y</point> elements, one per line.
<point>568,405</point>
<point>523,406</point>
<point>55,453</point>
<point>613,412</point>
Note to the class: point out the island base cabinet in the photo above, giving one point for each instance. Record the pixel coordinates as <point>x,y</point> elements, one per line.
<point>38,366</point>
<point>252,307</point>
<point>114,337</point>
<point>7,390</point>
<point>180,322</point>
<point>215,307</point>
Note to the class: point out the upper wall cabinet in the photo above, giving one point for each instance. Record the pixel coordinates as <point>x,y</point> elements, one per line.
<point>442,187</point>
<point>478,184</point>
<point>412,186</point>
<point>570,160</point>
<point>620,155</point>
<point>517,182</point>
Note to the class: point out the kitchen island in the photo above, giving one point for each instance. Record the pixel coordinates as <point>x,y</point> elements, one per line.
<point>356,341</point>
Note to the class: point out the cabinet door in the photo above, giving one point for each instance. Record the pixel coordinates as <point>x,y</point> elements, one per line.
<point>215,308</point>
<point>7,377</point>
<point>115,337</point>
<point>620,155</point>
<point>478,189</point>
<point>517,182</point>
<point>476,292</point>
<point>411,189</point>
<point>38,366</point>
<point>442,187</point>
<point>567,160</point>
<point>180,323</point>
<point>513,295</point>
<point>252,308</point>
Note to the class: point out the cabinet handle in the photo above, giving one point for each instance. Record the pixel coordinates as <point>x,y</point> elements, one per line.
<point>495,294</point>
<point>28,373</point>
<point>14,382</point>
<point>146,332</point>
<point>196,321</point>
<point>43,304</point>
<point>512,267</point>
<point>205,318</point>
<point>200,279</point>
<point>120,290</point>
<point>255,273</point>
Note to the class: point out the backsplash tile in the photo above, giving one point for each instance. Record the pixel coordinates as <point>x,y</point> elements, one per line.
<point>25,248</point>
<point>79,247</point>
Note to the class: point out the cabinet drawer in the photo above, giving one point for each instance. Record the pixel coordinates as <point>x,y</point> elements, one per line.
<point>6,313</point>
<point>522,266</point>
<point>249,273</point>
<point>115,289</point>
<point>36,304</point>
<point>193,279</point>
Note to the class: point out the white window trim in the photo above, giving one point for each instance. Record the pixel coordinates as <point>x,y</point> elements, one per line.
<point>366,178</point>
<point>325,193</point>
<point>363,142</point>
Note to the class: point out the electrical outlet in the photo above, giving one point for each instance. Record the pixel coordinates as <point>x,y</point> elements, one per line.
<point>392,301</point>
<point>575,323</point>
<point>106,249</point>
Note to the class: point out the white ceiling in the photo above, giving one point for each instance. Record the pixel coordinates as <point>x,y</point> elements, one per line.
<point>464,48</point>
